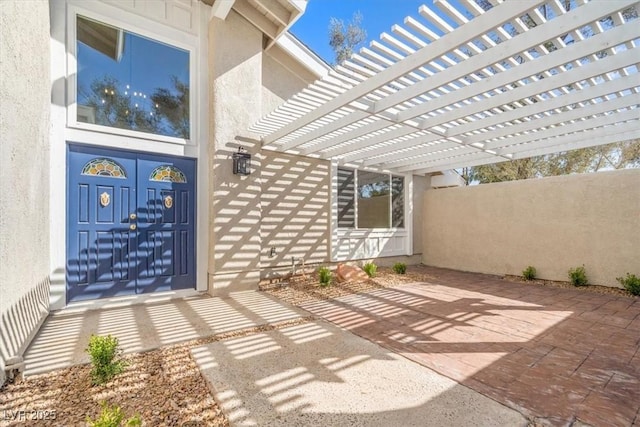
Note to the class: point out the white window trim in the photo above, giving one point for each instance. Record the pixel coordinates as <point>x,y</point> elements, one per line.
<point>143,27</point>
<point>61,133</point>
<point>364,234</point>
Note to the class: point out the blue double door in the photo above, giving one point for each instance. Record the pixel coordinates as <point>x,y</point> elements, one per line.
<point>130,223</point>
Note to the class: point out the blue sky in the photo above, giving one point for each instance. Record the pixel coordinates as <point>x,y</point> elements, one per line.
<point>378,16</point>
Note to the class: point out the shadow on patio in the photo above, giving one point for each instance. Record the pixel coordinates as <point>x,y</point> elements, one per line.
<point>61,342</point>
<point>556,354</point>
<point>316,374</point>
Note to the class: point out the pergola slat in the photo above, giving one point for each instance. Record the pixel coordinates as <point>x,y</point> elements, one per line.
<point>520,113</point>
<point>417,163</point>
<point>623,59</point>
<point>483,23</point>
<point>477,87</point>
<point>569,142</point>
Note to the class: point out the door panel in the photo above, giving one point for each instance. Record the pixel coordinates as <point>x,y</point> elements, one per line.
<point>131,223</point>
<point>99,241</point>
<point>166,188</point>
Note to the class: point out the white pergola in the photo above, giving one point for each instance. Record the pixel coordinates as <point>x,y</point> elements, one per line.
<point>462,86</point>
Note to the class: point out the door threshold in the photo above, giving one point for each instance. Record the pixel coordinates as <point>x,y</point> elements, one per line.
<point>128,300</point>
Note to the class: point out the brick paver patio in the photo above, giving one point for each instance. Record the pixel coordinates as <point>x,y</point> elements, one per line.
<point>554,354</point>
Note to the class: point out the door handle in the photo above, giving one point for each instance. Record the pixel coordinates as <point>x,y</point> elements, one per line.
<point>132,227</point>
<point>133,216</point>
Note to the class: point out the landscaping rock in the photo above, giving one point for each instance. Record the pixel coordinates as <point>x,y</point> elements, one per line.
<point>350,273</point>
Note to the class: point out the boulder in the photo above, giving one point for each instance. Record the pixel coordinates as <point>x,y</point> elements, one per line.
<point>350,273</point>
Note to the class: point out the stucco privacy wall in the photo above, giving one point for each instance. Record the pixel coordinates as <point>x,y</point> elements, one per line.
<point>24,175</point>
<point>552,223</point>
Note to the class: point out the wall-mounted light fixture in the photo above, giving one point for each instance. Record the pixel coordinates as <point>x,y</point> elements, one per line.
<point>241,162</point>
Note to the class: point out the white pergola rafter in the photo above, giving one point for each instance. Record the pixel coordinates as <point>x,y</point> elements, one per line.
<point>462,87</point>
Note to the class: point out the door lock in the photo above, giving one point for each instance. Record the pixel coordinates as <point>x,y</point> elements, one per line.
<point>133,216</point>
<point>132,227</point>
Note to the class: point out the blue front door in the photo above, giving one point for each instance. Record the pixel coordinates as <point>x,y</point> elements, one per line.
<point>130,223</point>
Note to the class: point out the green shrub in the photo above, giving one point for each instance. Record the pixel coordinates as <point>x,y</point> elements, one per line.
<point>529,273</point>
<point>325,276</point>
<point>370,268</point>
<point>578,276</point>
<point>104,353</point>
<point>400,267</point>
<point>112,416</point>
<point>630,283</point>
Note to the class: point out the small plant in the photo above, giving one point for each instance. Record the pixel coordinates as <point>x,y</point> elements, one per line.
<point>631,283</point>
<point>325,276</point>
<point>370,268</point>
<point>112,416</point>
<point>529,273</point>
<point>578,276</point>
<point>400,268</point>
<point>104,353</point>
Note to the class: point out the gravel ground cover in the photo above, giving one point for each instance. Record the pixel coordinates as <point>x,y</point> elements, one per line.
<point>556,284</point>
<point>164,386</point>
<point>302,289</point>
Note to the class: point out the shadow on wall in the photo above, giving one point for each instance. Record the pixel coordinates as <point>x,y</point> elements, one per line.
<point>123,262</point>
<point>234,258</point>
<point>20,323</point>
<point>283,204</point>
<point>295,211</point>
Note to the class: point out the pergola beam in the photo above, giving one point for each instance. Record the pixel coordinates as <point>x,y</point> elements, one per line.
<point>593,69</point>
<point>484,23</point>
<point>546,126</point>
<point>493,87</point>
<point>550,61</point>
<point>572,142</point>
<point>547,139</point>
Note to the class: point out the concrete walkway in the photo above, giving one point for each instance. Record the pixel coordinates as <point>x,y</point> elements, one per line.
<point>61,342</point>
<point>556,354</point>
<point>316,374</point>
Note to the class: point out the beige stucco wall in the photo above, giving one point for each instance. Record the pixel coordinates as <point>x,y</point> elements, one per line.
<point>420,185</point>
<point>295,211</point>
<point>295,196</point>
<point>552,223</point>
<point>278,83</point>
<point>235,69</point>
<point>24,174</point>
<point>284,202</point>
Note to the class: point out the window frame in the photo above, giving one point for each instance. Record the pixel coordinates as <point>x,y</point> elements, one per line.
<point>356,202</point>
<point>138,26</point>
<point>348,244</point>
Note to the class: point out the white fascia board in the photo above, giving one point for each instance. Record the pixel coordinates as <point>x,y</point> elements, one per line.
<point>305,56</point>
<point>300,6</point>
<point>221,8</point>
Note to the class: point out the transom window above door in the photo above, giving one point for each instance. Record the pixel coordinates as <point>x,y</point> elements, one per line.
<point>127,81</point>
